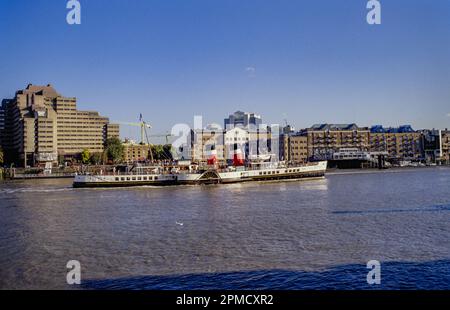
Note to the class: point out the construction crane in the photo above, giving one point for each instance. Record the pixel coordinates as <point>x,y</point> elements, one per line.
<point>141,124</point>
<point>144,127</point>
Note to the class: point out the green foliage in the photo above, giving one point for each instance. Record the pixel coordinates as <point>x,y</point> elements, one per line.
<point>61,160</point>
<point>114,150</point>
<point>162,152</point>
<point>85,156</point>
<point>168,151</point>
<point>2,157</point>
<point>96,158</point>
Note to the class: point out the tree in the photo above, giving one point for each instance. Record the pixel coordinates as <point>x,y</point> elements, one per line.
<point>157,151</point>
<point>61,160</point>
<point>114,149</point>
<point>85,156</point>
<point>162,152</point>
<point>2,157</point>
<point>96,158</point>
<point>168,151</point>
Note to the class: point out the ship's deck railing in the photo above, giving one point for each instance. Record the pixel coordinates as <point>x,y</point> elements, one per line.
<point>205,168</point>
<point>166,170</point>
<point>146,171</point>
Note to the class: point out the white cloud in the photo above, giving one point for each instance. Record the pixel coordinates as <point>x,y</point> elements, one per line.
<point>251,71</point>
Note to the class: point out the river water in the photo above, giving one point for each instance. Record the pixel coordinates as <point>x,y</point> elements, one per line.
<point>316,234</point>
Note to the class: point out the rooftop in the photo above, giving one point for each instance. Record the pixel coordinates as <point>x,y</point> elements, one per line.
<point>400,129</point>
<point>46,91</point>
<point>334,127</point>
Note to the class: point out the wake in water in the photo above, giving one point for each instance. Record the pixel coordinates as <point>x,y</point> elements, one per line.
<point>33,190</point>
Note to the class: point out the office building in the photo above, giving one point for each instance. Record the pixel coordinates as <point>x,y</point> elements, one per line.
<point>326,139</point>
<point>242,119</point>
<point>445,147</point>
<point>206,141</point>
<point>2,122</point>
<point>294,148</point>
<point>401,144</point>
<point>136,152</point>
<point>40,125</point>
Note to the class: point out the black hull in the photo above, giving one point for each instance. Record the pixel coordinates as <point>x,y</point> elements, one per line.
<point>263,178</point>
<point>122,184</point>
<point>309,175</point>
<point>204,181</point>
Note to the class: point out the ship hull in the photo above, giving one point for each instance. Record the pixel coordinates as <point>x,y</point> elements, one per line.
<point>120,184</point>
<point>316,170</point>
<point>91,181</point>
<point>208,177</point>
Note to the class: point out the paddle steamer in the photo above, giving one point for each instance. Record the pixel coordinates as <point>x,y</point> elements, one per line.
<point>208,174</point>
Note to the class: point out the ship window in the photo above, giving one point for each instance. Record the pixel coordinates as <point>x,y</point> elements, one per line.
<point>156,178</point>
<point>260,173</point>
<point>139,178</point>
<point>133,178</point>
<point>122,179</point>
<point>145,178</point>
<point>128,179</point>
<point>117,179</point>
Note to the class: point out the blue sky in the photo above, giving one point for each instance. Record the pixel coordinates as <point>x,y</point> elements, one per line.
<point>308,61</point>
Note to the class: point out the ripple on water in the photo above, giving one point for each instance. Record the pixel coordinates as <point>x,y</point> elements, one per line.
<point>287,235</point>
